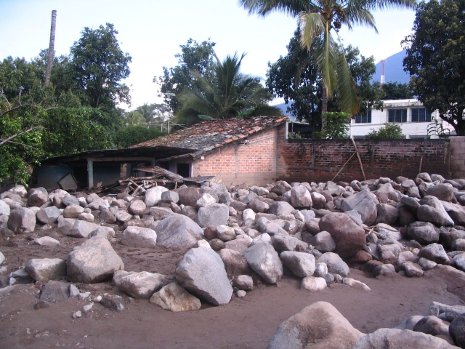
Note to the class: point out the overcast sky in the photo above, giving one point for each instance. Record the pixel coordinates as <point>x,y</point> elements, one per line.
<point>152,30</point>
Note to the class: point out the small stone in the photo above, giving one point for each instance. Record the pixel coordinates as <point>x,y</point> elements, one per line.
<point>241,293</point>
<point>88,307</point>
<point>113,302</point>
<point>84,295</point>
<point>77,314</point>
<point>312,283</point>
<point>73,291</point>
<point>98,299</point>
<point>356,283</point>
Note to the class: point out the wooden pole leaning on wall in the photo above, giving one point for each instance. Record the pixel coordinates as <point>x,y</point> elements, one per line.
<point>359,159</point>
<point>345,163</point>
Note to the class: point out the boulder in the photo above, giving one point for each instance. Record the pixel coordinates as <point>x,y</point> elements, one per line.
<point>318,326</point>
<point>174,298</point>
<point>225,233</point>
<point>54,291</point>
<point>432,325</point>
<point>37,197</point>
<point>4,208</point>
<point>234,262</point>
<point>300,197</point>
<point>365,203</point>
<point>335,263</point>
<point>46,241</point>
<point>423,232</point>
<point>76,227</point>
<point>170,196</point>
<point>436,253</point>
<point>412,269</point>
<point>178,232</point>
<point>387,338</point>
<point>213,215</point>
<point>153,195</point>
<point>205,200</point>
<point>283,242</point>
<point>45,269</point>
<point>48,215</point>
<point>387,214</point>
<point>457,331</point>
<point>93,261</point>
<point>324,242</point>
<point>432,210</point>
<point>348,236</point>
<point>189,196</point>
<point>139,284</point>
<point>73,211</point>
<point>201,271</point>
<point>139,237</point>
<point>281,209</point>
<point>455,211</point>
<point>314,284</point>
<point>137,207</point>
<point>301,264</point>
<point>264,260</point>
<point>443,191</point>
<point>243,282</point>
<point>22,220</point>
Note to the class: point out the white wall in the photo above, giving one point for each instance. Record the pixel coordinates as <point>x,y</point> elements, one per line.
<point>409,128</point>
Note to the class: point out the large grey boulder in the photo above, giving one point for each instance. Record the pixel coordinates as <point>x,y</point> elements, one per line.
<point>54,291</point>
<point>234,262</point>
<point>365,203</point>
<point>387,214</point>
<point>423,232</point>
<point>300,197</point>
<point>139,237</point>
<point>153,195</point>
<point>443,191</point>
<point>281,209</point>
<point>436,253</point>
<point>201,271</point>
<point>45,269</point>
<point>264,260</point>
<point>189,196</point>
<point>318,326</point>
<point>389,338</point>
<point>178,232</point>
<point>22,220</point>
<point>73,211</point>
<point>432,210</point>
<point>283,242</point>
<point>324,242</point>
<point>455,211</point>
<point>93,261</point>
<point>139,284</point>
<point>457,331</point>
<point>174,298</point>
<point>76,227</point>
<point>137,207</point>
<point>301,264</point>
<point>213,215</point>
<point>4,208</point>
<point>348,236</point>
<point>335,263</point>
<point>48,215</point>
<point>37,197</point>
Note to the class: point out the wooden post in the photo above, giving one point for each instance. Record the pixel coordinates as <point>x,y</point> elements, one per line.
<point>90,173</point>
<point>51,49</point>
<point>359,160</point>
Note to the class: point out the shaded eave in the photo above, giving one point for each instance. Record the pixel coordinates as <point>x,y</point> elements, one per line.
<point>128,154</point>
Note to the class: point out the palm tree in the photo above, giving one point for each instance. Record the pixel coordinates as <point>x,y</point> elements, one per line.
<point>317,18</point>
<point>227,94</point>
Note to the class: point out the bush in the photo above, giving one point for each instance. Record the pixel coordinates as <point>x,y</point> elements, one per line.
<point>130,135</point>
<point>337,126</point>
<point>388,131</point>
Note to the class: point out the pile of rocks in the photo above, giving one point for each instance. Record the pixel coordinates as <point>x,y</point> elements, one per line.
<point>232,238</point>
<point>321,325</point>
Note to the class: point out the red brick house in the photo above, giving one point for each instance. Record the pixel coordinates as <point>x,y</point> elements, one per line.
<point>235,150</point>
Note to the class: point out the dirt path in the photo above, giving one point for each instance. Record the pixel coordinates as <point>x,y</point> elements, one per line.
<point>244,323</point>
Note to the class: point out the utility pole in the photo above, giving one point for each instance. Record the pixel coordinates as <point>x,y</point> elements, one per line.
<point>51,49</point>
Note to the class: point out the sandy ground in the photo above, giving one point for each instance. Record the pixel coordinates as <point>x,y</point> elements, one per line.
<point>244,323</point>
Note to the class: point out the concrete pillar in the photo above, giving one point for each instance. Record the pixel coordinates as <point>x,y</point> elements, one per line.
<point>90,173</point>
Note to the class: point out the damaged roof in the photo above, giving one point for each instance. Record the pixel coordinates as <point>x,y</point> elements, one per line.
<point>209,135</point>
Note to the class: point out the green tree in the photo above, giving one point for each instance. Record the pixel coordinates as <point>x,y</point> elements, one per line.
<point>395,90</point>
<point>296,78</point>
<point>98,65</point>
<point>388,131</point>
<point>338,126</point>
<point>130,135</point>
<point>435,59</point>
<point>195,58</point>
<point>317,19</point>
<point>228,93</point>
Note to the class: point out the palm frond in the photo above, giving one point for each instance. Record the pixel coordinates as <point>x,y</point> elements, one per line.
<point>311,25</point>
<point>327,64</point>
<point>349,102</point>
<point>263,7</point>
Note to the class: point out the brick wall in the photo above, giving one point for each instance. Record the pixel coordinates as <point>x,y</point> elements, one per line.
<point>251,163</point>
<point>457,159</point>
<point>320,160</point>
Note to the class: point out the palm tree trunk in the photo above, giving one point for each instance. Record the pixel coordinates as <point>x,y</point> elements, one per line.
<point>324,107</point>
<point>51,49</point>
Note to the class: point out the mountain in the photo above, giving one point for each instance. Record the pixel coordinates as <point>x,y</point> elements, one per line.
<point>393,69</point>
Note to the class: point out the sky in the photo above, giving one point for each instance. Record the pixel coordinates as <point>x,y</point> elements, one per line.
<point>151,31</point>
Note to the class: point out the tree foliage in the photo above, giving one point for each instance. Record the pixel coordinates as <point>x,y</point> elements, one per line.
<point>226,93</point>
<point>337,127</point>
<point>435,59</point>
<point>395,90</point>
<point>297,79</point>
<point>130,135</point>
<point>387,132</point>
<point>317,20</point>
<point>197,58</point>
<point>98,66</point>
